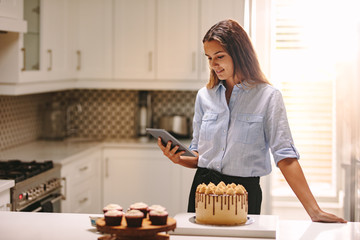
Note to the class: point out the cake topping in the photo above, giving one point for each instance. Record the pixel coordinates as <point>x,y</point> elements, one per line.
<point>221,184</point>
<point>157,207</point>
<point>138,205</point>
<point>135,213</point>
<point>113,213</point>
<point>221,188</point>
<point>158,213</point>
<point>113,207</point>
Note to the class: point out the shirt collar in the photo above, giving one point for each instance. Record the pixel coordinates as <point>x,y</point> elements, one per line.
<point>240,86</point>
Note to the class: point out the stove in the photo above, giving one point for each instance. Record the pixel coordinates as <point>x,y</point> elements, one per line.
<point>37,185</point>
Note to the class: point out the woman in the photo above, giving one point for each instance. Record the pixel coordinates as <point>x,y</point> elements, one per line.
<point>238,117</point>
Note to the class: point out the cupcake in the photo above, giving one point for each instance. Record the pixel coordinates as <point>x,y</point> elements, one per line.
<point>113,217</point>
<point>134,218</point>
<point>158,217</point>
<point>143,207</point>
<point>112,207</point>
<point>156,207</point>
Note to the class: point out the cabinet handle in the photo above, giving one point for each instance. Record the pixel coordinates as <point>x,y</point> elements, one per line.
<point>82,201</point>
<point>83,168</point>
<point>106,167</point>
<point>50,59</point>
<point>193,61</point>
<point>150,61</point>
<point>24,59</point>
<point>65,188</point>
<point>78,53</point>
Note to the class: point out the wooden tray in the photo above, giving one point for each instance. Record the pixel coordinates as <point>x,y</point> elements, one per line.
<point>145,232</point>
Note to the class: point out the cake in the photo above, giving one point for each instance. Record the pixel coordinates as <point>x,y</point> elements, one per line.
<point>134,218</point>
<point>221,204</point>
<point>112,207</point>
<point>158,217</point>
<point>143,207</point>
<point>113,217</point>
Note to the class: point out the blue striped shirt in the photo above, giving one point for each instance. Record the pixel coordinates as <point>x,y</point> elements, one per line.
<point>235,139</point>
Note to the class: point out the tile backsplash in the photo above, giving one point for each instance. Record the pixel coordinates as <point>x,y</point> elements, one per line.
<point>100,114</point>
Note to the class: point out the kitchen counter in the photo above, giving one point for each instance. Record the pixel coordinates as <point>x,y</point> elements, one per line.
<point>25,225</point>
<point>6,184</point>
<point>62,152</point>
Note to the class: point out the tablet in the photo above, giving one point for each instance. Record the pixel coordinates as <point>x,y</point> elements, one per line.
<point>166,136</point>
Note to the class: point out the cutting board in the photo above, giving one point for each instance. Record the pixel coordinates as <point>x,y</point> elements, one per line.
<point>260,226</point>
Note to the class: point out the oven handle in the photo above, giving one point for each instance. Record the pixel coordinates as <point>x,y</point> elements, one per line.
<point>58,198</point>
<point>65,189</point>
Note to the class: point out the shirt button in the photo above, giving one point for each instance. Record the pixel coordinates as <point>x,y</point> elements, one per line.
<point>223,149</point>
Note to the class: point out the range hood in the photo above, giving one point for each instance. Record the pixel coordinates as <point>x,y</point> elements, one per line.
<point>12,25</point>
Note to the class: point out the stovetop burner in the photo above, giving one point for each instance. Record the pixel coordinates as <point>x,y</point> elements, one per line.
<point>19,170</point>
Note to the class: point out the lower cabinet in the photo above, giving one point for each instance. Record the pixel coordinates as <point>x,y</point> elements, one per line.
<point>144,175</point>
<point>82,184</point>
<point>5,200</point>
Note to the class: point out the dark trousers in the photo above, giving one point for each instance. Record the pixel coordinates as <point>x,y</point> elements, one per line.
<point>251,184</point>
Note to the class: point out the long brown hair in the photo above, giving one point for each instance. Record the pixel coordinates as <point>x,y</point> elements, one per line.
<point>237,44</point>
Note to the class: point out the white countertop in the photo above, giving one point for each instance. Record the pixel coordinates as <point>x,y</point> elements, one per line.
<point>62,152</point>
<point>41,226</point>
<point>6,184</point>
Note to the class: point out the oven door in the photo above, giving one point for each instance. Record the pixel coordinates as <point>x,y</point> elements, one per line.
<point>51,203</point>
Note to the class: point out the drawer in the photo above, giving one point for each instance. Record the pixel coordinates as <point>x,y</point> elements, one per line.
<point>85,197</point>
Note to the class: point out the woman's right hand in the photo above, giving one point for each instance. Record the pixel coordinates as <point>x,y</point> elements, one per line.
<point>177,158</point>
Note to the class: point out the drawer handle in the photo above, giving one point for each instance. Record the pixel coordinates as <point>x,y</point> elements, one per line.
<point>83,169</point>
<point>82,201</point>
<point>65,188</point>
<point>50,59</point>
<point>24,59</point>
<point>78,67</point>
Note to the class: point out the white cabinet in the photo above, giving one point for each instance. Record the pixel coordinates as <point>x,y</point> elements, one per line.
<point>82,184</point>
<point>5,186</point>
<point>90,32</point>
<point>46,41</point>
<point>213,11</point>
<point>177,40</point>
<point>134,39</point>
<point>54,39</point>
<point>156,39</point>
<point>144,175</point>
<point>40,55</point>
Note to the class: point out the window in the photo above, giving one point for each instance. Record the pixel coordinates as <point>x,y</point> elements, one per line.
<point>303,67</point>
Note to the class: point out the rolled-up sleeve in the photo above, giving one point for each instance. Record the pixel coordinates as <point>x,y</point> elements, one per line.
<point>277,130</point>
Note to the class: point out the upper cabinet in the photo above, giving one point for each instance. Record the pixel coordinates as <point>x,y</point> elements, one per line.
<point>117,44</point>
<point>155,39</point>
<point>177,40</point>
<point>134,39</point>
<point>39,55</point>
<point>90,50</point>
<point>43,51</point>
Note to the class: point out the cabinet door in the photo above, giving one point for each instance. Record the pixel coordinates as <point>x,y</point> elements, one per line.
<point>46,41</point>
<point>82,187</point>
<point>54,39</point>
<point>213,11</point>
<point>91,38</point>
<point>134,39</point>
<point>177,40</point>
<point>134,175</point>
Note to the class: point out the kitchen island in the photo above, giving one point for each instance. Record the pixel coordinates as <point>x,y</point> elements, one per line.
<point>41,226</point>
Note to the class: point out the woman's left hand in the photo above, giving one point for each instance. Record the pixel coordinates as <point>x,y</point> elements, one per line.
<point>176,157</point>
<point>322,216</point>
